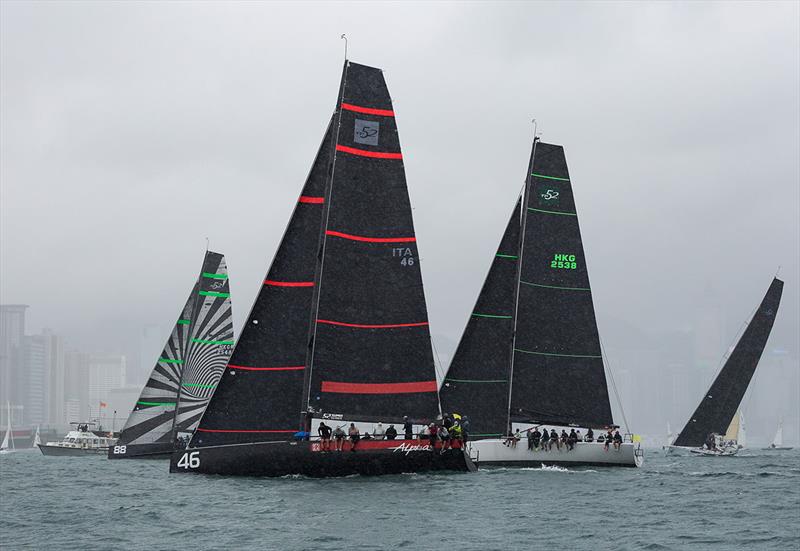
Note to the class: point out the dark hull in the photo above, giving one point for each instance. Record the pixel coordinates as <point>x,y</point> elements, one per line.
<point>371,458</point>
<point>141,451</point>
<point>75,452</point>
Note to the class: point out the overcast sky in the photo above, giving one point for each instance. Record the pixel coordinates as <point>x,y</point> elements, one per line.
<point>131,131</point>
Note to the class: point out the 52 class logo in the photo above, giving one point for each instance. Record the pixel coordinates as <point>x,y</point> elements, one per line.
<point>564,262</point>
<point>366,132</point>
<point>548,195</point>
<point>217,285</point>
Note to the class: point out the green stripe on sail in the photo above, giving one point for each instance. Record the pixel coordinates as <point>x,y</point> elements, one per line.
<point>549,177</point>
<point>204,341</point>
<point>553,212</point>
<point>555,287</point>
<point>197,385</point>
<point>491,316</point>
<point>214,294</point>
<point>156,403</point>
<point>168,361</point>
<point>557,355</point>
<point>184,322</point>
<point>477,380</point>
<point>511,256</point>
<point>215,276</point>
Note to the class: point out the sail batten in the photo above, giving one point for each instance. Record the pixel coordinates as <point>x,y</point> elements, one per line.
<point>720,404</point>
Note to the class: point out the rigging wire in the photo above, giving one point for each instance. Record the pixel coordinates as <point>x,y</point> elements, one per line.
<point>614,386</point>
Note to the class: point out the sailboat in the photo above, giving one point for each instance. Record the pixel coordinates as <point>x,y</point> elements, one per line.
<point>530,356</point>
<point>339,330</point>
<point>37,438</point>
<point>670,438</point>
<point>777,442</point>
<point>704,433</point>
<point>7,446</point>
<point>735,434</point>
<point>186,372</point>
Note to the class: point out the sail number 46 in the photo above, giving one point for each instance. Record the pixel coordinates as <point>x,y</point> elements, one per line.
<point>189,460</point>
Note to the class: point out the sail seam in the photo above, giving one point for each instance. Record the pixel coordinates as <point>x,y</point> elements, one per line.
<point>214,294</point>
<point>367,110</point>
<point>169,361</point>
<point>491,316</point>
<point>550,177</point>
<point>215,276</point>
<point>557,355</point>
<point>371,154</point>
<point>287,368</point>
<point>555,286</point>
<point>205,341</point>
<point>379,388</point>
<point>553,212</point>
<point>477,380</point>
<point>156,403</point>
<point>373,326</point>
<point>274,283</point>
<point>511,256</point>
<point>371,239</point>
<point>311,200</point>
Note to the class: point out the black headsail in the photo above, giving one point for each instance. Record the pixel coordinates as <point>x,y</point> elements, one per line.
<point>722,400</point>
<point>210,343</point>
<point>370,355</point>
<point>478,379</point>
<point>557,371</point>
<point>189,366</point>
<point>259,397</point>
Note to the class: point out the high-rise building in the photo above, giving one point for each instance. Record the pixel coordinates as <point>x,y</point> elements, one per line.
<point>12,331</point>
<point>54,359</point>
<point>40,378</point>
<point>76,386</point>
<point>106,372</point>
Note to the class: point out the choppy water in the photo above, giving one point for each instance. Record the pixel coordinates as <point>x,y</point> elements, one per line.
<point>751,501</point>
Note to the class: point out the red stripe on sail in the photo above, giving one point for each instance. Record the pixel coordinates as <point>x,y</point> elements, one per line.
<point>365,153</point>
<point>371,239</point>
<point>379,388</point>
<point>367,110</point>
<point>312,200</point>
<point>287,368</point>
<point>231,430</point>
<point>288,283</point>
<point>365,326</point>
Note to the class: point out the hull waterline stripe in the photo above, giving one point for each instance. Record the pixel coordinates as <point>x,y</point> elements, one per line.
<point>184,322</point>
<point>365,153</point>
<point>477,380</point>
<point>491,316</point>
<point>367,110</point>
<point>156,403</point>
<point>366,326</point>
<point>215,276</point>
<point>556,355</point>
<point>553,212</point>
<point>379,388</point>
<point>288,283</point>
<point>205,341</point>
<point>292,431</point>
<point>555,286</point>
<point>168,361</point>
<point>311,200</point>
<point>511,256</point>
<point>549,177</point>
<point>371,239</point>
<point>288,368</point>
<point>214,294</point>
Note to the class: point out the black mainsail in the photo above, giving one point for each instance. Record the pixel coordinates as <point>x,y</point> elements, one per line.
<point>722,400</point>
<point>186,371</point>
<point>554,362</point>
<point>340,329</point>
<point>477,382</point>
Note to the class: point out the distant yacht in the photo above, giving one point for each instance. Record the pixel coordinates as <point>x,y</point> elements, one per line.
<point>716,427</point>
<point>777,442</point>
<point>8,440</point>
<point>79,442</point>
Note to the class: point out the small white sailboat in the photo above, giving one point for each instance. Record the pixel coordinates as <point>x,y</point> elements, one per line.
<point>37,439</point>
<point>670,438</point>
<point>777,442</point>
<point>8,440</point>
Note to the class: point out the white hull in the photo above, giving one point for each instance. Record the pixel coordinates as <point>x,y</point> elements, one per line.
<point>714,453</point>
<point>494,452</point>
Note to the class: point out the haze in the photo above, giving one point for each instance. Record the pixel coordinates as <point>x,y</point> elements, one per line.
<point>133,131</point>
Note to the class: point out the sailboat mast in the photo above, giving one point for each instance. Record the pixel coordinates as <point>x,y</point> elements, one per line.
<point>524,214</point>
<point>307,413</point>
